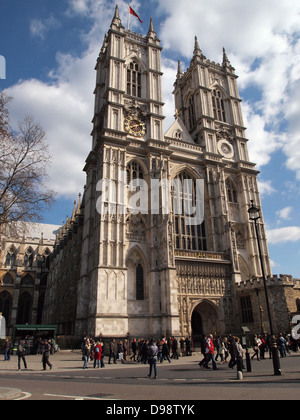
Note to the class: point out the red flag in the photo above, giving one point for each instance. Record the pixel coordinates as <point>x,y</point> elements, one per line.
<point>132,12</point>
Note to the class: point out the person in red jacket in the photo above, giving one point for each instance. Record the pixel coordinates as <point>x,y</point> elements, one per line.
<point>210,353</point>
<point>97,354</point>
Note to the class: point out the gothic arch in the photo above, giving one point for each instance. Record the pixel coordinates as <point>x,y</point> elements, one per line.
<point>134,255</point>
<point>137,275</point>
<point>177,170</point>
<point>209,314</point>
<point>140,162</point>
<point>132,57</point>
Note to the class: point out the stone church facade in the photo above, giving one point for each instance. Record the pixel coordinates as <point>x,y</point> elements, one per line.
<point>136,266</point>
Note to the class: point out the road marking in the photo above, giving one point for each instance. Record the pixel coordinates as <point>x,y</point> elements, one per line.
<point>26,395</point>
<point>78,397</point>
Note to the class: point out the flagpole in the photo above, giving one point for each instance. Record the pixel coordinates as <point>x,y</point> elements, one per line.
<point>128,16</point>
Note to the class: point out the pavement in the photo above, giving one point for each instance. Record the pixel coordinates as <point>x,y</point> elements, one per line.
<point>66,361</point>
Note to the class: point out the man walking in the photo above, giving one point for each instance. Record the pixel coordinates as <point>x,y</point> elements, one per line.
<point>21,355</point>
<point>152,357</point>
<point>210,353</point>
<point>46,355</point>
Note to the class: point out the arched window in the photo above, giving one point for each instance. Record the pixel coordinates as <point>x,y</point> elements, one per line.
<point>139,282</point>
<point>134,171</point>
<point>134,80</point>
<point>188,236</point>
<point>28,258</point>
<point>7,280</point>
<point>11,258</point>
<point>218,105</point>
<point>231,192</point>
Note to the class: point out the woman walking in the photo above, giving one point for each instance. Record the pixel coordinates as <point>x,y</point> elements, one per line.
<point>21,355</point>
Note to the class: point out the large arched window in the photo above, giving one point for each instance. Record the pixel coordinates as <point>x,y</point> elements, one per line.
<point>139,282</point>
<point>231,192</point>
<point>188,236</point>
<point>218,105</point>
<point>134,80</point>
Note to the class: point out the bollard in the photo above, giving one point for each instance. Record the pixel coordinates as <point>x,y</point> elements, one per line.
<point>248,361</point>
<point>239,365</point>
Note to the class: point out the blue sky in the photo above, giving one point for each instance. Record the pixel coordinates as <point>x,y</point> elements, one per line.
<point>50,48</point>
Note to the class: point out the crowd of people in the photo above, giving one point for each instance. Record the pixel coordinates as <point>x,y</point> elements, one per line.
<point>227,349</point>
<point>138,350</point>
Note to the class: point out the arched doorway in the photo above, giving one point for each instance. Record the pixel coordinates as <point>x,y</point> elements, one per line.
<point>205,320</point>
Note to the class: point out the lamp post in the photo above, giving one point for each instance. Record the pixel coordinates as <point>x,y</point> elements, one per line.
<point>254,215</point>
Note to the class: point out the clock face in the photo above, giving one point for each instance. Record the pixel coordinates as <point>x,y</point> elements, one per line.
<point>135,126</point>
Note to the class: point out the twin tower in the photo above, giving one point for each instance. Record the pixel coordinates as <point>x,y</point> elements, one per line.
<point>154,273</point>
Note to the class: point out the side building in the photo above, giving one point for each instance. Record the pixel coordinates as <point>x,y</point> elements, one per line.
<point>25,257</point>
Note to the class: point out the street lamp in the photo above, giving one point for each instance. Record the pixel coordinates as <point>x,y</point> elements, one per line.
<point>254,215</point>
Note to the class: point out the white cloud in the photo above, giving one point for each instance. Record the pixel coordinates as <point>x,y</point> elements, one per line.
<point>285,213</point>
<point>39,28</point>
<point>281,235</point>
<point>266,188</point>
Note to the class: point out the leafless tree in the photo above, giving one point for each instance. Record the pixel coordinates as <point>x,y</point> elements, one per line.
<point>24,160</point>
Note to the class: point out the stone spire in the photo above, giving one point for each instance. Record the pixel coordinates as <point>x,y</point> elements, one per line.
<point>179,71</point>
<point>197,50</point>
<point>226,62</point>
<point>116,22</point>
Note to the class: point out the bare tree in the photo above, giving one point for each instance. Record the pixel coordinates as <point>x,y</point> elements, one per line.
<point>24,159</point>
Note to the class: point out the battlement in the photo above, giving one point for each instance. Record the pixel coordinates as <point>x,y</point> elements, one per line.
<point>275,280</point>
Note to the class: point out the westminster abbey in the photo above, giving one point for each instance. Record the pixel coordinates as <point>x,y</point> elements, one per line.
<point>130,261</point>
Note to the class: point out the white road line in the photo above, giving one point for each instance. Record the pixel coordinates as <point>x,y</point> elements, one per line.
<point>26,395</point>
<point>78,397</point>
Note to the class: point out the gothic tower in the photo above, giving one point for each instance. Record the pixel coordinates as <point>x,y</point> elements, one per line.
<point>125,284</point>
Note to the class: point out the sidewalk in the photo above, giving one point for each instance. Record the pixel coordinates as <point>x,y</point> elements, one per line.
<point>9,394</point>
<point>71,361</point>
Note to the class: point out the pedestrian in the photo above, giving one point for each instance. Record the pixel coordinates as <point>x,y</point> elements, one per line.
<point>152,357</point>
<point>282,345</point>
<point>46,355</point>
<point>257,343</point>
<point>97,354</point>
<point>188,347</point>
<point>165,352</point>
<point>238,353</point>
<point>210,352</point>
<point>182,347</point>
<point>134,349</point>
<point>174,348</point>
<point>21,352</point>
<point>86,353</point>
<point>262,347</point>
<point>7,350</point>
<point>112,351</point>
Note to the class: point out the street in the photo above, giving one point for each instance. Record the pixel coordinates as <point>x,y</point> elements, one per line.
<point>181,380</point>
